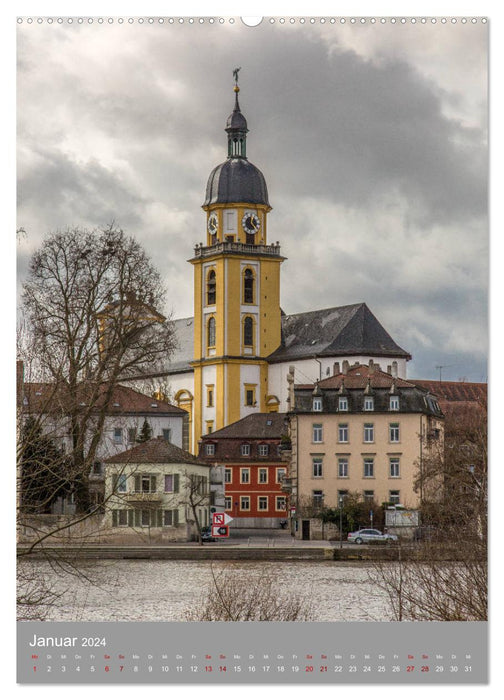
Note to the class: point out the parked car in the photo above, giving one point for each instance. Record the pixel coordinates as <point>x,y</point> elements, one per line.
<point>206,534</point>
<point>370,535</point>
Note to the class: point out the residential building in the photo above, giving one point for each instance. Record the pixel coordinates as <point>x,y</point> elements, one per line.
<point>127,413</point>
<point>250,453</point>
<point>156,492</point>
<point>365,432</point>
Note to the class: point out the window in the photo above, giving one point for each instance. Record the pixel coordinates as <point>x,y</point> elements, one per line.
<point>145,483</point>
<point>394,467</point>
<point>228,475</point>
<point>250,397</point>
<point>368,495</point>
<point>368,432</point>
<point>317,467</point>
<point>317,434</point>
<point>244,503</point>
<point>245,476</point>
<point>248,287</point>
<point>342,494</point>
<point>170,518</point>
<point>122,518</point>
<point>245,450</point>
<point>343,467</point>
<point>118,436</point>
<point>167,434</point>
<point>280,474</point>
<point>209,427</point>
<point>343,432</point>
<point>171,483</point>
<point>209,449</point>
<point>263,450</point>
<point>262,503</point>
<point>210,395</point>
<point>394,432</point>
<point>248,331</point>
<point>369,403</point>
<point>368,467</point>
<point>145,518</point>
<point>394,403</point>
<point>318,499</point>
<point>132,435</point>
<point>317,404</point>
<point>120,483</point>
<point>394,496</point>
<point>343,403</point>
<point>97,468</point>
<point>228,503</point>
<point>263,476</point>
<point>211,332</point>
<point>211,288</point>
<point>279,502</point>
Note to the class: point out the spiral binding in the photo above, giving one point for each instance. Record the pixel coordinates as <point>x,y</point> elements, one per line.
<point>239,21</point>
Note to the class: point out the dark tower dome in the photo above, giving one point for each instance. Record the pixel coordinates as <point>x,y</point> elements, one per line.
<point>237,179</point>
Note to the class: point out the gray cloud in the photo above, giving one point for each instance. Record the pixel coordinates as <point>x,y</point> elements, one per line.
<point>375,163</point>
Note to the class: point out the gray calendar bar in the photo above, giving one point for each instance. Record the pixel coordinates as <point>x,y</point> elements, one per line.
<point>252,652</point>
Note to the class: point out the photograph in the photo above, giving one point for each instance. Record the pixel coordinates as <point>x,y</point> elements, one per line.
<point>252,339</point>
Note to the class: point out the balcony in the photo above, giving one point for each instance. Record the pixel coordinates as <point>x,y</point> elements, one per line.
<point>143,497</point>
<point>201,251</point>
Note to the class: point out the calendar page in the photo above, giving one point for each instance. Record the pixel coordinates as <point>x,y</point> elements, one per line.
<point>252,349</point>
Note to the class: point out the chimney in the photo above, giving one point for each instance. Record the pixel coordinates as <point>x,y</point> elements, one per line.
<point>371,367</point>
<point>290,382</point>
<point>336,368</point>
<point>345,366</point>
<point>394,368</point>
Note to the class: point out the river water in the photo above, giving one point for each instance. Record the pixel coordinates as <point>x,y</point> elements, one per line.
<point>118,590</point>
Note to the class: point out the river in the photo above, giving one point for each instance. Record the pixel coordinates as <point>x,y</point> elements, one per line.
<point>119,590</point>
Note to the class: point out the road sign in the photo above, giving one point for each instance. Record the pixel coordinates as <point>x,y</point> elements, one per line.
<point>220,530</point>
<point>221,518</point>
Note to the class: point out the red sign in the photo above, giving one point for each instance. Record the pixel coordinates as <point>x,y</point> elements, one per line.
<point>220,530</point>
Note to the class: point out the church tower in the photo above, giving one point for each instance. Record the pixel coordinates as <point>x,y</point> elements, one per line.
<point>236,290</point>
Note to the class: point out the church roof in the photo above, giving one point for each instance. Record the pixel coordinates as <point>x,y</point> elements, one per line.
<point>236,180</point>
<point>340,330</point>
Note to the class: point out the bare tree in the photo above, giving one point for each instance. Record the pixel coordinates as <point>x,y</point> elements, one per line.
<point>235,596</point>
<point>444,576</point>
<point>197,496</point>
<point>92,315</point>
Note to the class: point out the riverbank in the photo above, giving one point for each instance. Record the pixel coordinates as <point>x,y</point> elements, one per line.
<point>245,551</point>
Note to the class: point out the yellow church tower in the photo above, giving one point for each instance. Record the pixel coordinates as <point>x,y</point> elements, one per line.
<point>236,291</point>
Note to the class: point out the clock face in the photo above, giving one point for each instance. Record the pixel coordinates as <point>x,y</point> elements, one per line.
<point>213,224</point>
<point>251,222</point>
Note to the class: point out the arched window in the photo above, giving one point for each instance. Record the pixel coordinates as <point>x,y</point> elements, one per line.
<point>211,288</point>
<point>248,331</point>
<point>211,332</point>
<point>248,286</point>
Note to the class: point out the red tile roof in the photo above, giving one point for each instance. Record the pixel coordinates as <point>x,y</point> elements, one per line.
<point>155,451</point>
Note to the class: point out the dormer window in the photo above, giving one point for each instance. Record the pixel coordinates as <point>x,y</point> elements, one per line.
<point>245,450</point>
<point>343,403</point>
<point>394,403</point>
<point>369,403</point>
<point>210,448</point>
<point>317,403</point>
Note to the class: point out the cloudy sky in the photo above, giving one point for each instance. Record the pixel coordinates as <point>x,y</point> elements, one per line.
<point>372,139</point>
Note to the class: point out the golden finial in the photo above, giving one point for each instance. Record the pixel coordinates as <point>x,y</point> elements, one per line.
<point>235,76</point>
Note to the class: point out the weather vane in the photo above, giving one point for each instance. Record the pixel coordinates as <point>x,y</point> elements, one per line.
<point>235,76</point>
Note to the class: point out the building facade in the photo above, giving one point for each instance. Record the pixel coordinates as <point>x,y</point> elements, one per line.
<point>156,492</point>
<point>364,432</point>
<point>250,452</point>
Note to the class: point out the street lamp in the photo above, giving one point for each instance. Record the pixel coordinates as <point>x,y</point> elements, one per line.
<point>341,522</point>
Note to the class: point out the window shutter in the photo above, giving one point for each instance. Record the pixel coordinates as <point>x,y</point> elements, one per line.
<point>115,479</point>
<point>137,518</point>
<point>159,514</point>
<point>130,518</point>
<point>114,518</point>
<point>175,517</point>
<point>176,480</point>
<point>153,484</point>
<point>138,486</point>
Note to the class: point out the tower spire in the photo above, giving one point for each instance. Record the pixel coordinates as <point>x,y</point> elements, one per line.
<point>236,126</point>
